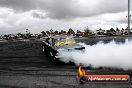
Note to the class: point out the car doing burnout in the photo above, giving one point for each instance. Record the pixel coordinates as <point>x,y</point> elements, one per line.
<point>52,44</point>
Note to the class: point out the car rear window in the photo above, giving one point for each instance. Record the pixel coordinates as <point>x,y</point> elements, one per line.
<point>65,41</point>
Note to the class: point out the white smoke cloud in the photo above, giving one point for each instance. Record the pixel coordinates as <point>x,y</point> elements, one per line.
<point>107,55</point>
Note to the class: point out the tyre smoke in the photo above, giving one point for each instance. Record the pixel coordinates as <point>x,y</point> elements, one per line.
<point>101,55</point>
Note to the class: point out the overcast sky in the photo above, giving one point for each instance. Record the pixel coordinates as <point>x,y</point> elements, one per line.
<point>39,15</point>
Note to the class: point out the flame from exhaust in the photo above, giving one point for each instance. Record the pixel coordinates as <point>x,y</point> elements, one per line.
<point>101,55</point>
<point>81,71</point>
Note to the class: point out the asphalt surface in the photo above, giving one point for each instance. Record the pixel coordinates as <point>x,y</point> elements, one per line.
<point>23,65</point>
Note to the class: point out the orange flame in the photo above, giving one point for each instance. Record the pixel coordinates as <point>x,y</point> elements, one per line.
<point>81,71</point>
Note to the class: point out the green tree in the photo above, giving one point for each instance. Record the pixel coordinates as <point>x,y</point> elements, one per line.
<point>48,32</point>
<point>87,31</point>
<point>61,32</point>
<point>19,34</point>
<point>112,30</point>
<point>70,31</point>
<point>43,33</point>
<point>64,32</point>
<point>28,35</point>
<point>117,29</point>
<point>56,32</point>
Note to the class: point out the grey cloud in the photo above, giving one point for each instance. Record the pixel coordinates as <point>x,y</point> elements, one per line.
<point>112,6</point>
<point>38,15</point>
<point>123,21</point>
<point>66,9</point>
<point>19,5</point>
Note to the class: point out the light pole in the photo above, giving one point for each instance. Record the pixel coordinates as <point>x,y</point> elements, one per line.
<point>128,16</point>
